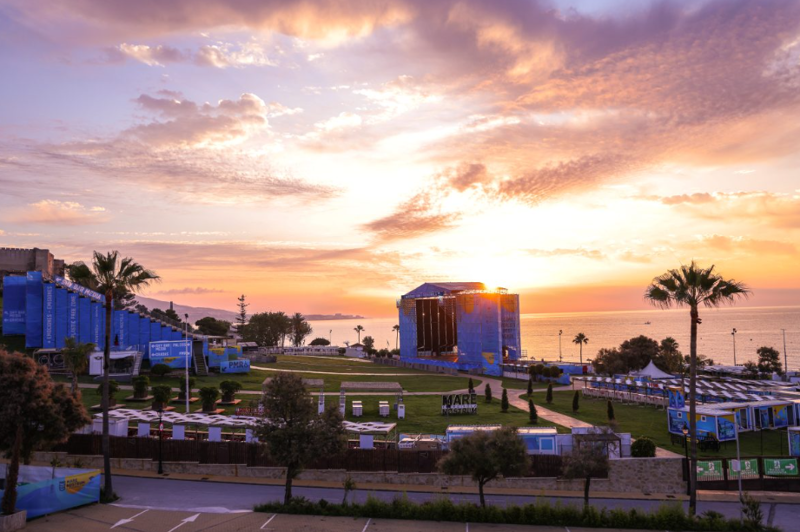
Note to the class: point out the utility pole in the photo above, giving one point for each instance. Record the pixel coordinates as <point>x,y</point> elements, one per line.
<point>733,335</point>
<point>559,345</point>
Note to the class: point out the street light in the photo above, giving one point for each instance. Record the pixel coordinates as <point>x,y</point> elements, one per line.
<point>559,345</point>
<point>188,349</point>
<point>160,440</point>
<point>733,334</point>
<point>685,431</point>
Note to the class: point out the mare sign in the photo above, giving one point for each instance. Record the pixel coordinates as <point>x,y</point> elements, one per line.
<point>460,403</point>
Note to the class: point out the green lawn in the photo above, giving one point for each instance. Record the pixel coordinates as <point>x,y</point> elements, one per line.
<point>650,422</point>
<point>516,384</point>
<point>335,364</point>
<point>424,414</point>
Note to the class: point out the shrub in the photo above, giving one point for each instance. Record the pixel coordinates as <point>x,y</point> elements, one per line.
<point>342,350</point>
<point>504,401</point>
<point>611,411</point>
<point>751,508</point>
<point>549,396</point>
<point>229,389</point>
<point>182,385</point>
<point>209,396</point>
<point>576,401</point>
<point>140,386</point>
<point>159,370</point>
<point>161,396</point>
<point>530,387</point>
<point>488,393</point>
<point>643,448</point>
<point>532,413</point>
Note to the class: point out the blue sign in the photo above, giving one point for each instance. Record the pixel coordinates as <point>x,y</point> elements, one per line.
<point>234,366</point>
<point>82,290</point>
<point>49,316</point>
<point>14,305</point>
<point>171,353</point>
<point>54,495</point>
<point>33,310</point>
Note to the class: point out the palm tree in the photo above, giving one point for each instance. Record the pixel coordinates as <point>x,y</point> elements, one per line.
<point>692,286</point>
<point>359,329</point>
<point>580,339</point>
<point>396,329</point>
<point>76,358</point>
<point>114,276</point>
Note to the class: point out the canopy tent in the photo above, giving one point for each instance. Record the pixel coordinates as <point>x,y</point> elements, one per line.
<point>652,371</point>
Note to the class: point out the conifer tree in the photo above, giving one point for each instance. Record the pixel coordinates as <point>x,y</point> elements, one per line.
<point>488,393</point>
<point>611,411</point>
<point>549,396</point>
<point>504,401</point>
<point>533,414</point>
<point>530,386</point>
<point>576,401</point>
<point>471,386</point>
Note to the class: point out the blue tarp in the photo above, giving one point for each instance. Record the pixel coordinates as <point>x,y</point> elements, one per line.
<point>33,310</point>
<point>14,305</point>
<point>85,320</point>
<point>144,336</point>
<point>133,328</point>
<point>73,316</point>
<point>61,316</point>
<point>97,323</point>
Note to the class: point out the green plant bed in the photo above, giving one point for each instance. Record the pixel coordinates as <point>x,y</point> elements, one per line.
<point>424,414</point>
<point>651,422</point>
<point>670,516</point>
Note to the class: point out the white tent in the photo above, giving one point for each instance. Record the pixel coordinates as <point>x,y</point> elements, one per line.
<point>651,371</point>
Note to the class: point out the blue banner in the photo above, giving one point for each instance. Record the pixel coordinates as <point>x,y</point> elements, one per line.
<point>33,309</point>
<point>49,316</point>
<point>82,290</point>
<point>85,320</point>
<point>171,353</point>
<point>61,316</point>
<point>73,330</point>
<point>235,366</point>
<point>97,323</point>
<point>133,328</point>
<point>50,496</point>
<point>118,334</point>
<point>155,331</point>
<point>14,305</point>
<point>144,335</point>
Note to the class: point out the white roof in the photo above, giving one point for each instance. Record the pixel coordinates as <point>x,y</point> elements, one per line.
<point>653,372</point>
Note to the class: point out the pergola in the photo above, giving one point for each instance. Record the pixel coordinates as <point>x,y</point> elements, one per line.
<point>369,387</point>
<point>385,432</point>
<point>214,422</point>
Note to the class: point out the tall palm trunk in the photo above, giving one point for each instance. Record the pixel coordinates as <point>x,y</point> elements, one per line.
<point>581,351</point>
<point>105,399</point>
<point>693,412</point>
<point>397,340</point>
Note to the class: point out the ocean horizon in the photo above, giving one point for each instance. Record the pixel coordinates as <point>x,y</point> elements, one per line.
<point>756,327</point>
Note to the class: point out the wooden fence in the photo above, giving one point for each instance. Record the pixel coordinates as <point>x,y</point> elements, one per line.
<point>253,455</point>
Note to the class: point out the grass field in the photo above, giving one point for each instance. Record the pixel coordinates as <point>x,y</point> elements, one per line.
<point>424,414</point>
<point>650,422</point>
<point>516,384</point>
<point>335,364</point>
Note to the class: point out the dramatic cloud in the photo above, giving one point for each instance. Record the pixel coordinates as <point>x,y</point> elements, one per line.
<point>194,291</point>
<point>748,245</point>
<point>54,212</point>
<point>560,252</point>
<point>219,55</point>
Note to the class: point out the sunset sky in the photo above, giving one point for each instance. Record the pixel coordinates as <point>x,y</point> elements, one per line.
<point>329,156</point>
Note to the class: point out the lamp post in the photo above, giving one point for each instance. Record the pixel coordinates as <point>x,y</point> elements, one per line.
<point>559,345</point>
<point>160,440</point>
<point>188,349</point>
<point>330,337</point>
<point>738,461</point>
<point>733,335</point>
<point>685,431</point>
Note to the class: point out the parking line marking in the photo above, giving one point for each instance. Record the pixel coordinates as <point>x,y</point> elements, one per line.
<point>365,526</point>
<point>268,521</point>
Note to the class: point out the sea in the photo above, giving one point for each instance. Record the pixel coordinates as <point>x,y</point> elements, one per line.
<point>755,326</point>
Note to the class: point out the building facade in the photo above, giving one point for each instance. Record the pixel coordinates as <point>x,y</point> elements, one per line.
<point>18,261</point>
<point>460,325</point>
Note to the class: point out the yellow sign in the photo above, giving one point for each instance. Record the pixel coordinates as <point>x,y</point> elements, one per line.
<point>76,483</point>
<point>489,357</point>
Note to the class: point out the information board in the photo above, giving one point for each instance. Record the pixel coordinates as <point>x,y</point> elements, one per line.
<point>711,468</point>
<point>170,353</point>
<point>234,366</point>
<point>460,403</point>
<point>780,467</point>
<point>749,466</point>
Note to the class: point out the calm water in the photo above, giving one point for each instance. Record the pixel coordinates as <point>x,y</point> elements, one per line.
<point>756,327</point>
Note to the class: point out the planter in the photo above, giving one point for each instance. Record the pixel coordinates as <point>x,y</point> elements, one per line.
<point>158,406</point>
<point>228,398</point>
<point>15,521</point>
<point>210,407</point>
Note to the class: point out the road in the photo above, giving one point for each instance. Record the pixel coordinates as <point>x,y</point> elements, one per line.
<point>216,497</point>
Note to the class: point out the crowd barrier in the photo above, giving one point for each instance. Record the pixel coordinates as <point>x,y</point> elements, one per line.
<point>626,397</point>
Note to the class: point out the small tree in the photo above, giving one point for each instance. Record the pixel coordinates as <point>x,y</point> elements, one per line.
<point>487,392</point>
<point>610,410</point>
<point>533,414</point>
<point>229,389</point>
<point>769,361</point>
<point>209,396</point>
<point>349,485</point>
<point>140,385</point>
<point>320,341</point>
<point>539,371</point>
<point>643,448</point>
<point>113,388</point>
<point>34,411</point>
<point>471,386</point>
<point>161,396</point>
<point>76,358</point>
<point>576,401</point>
<point>369,345</point>
<point>485,455</point>
<point>586,460</point>
<point>549,396</point>
<point>504,401</point>
<point>241,316</point>
<point>184,391</point>
<point>292,430</point>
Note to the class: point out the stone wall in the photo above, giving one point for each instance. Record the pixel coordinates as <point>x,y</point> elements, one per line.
<point>628,475</point>
<point>20,261</point>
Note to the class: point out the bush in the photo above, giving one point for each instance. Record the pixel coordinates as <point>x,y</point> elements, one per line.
<point>576,401</point>
<point>342,350</point>
<point>549,396</point>
<point>610,410</point>
<point>159,370</point>
<point>488,393</point>
<point>229,389</point>
<point>530,386</point>
<point>669,516</point>
<point>533,414</point>
<point>161,396</point>
<point>140,386</point>
<point>504,401</point>
<point>209,396</point>
<point>643,448</point>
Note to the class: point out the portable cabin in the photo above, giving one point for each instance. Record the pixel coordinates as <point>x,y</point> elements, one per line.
<point>455,432</point>
<point>539,440</point>
<point>714,420</point>
<point>793,434</point>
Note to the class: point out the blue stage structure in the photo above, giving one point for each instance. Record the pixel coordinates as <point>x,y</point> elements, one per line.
<point>462,326</point>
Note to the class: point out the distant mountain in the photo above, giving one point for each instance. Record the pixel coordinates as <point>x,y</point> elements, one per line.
<point>196,313</point>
